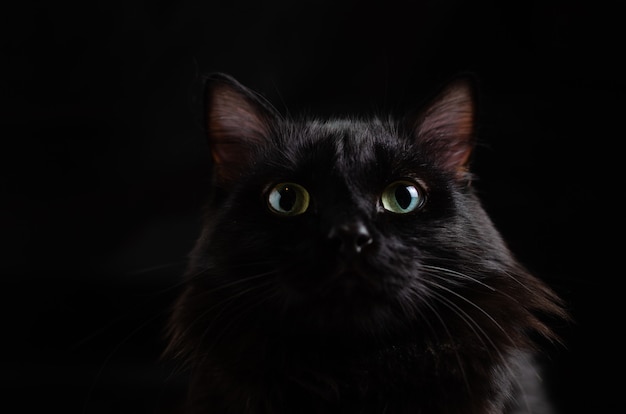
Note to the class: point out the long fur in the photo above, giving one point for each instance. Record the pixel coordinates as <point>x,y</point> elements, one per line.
<point>432,315</point>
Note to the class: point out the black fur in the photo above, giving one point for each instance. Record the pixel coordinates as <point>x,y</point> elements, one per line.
<point>348,307</point>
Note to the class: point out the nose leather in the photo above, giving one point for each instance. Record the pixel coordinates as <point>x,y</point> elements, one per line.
<point>350,238</point>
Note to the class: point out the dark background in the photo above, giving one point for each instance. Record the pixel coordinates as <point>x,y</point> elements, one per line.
<point>104,167</point>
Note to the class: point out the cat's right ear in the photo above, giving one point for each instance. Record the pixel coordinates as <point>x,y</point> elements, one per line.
<point>238,121</point>
<point>445,126</point>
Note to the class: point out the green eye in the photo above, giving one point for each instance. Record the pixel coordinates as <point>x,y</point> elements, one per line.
<point>288,199</point>
<point>402,197</point>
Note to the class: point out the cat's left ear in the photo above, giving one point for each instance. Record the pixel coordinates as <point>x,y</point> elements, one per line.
<point>446,127</point>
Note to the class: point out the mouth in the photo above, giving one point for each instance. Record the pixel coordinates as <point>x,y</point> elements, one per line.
<point>351,284</point>
<point>343,287</point>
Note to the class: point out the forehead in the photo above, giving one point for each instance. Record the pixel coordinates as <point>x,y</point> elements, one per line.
<point>340,152</point>
<point>347,145</point>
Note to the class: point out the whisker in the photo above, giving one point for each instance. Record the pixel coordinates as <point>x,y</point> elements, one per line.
<point>234,283</point>
<point>189,277</point>
<point>516,280</point>
<point>471,303</point>
<point>236,315</point>
<point>447,330</point>
<point>474,325</point>
<point>224,304</point>
<point>458,274</point>
<point>465,276</point>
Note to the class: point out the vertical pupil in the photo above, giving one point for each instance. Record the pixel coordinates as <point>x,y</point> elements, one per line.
<point>287,198</point>
<point>403,196</point>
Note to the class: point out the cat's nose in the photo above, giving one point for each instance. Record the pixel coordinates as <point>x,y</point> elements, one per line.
<point>351,238</point>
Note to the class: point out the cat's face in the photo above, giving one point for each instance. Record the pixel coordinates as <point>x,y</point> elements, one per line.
<point>344,220</point>
<point>356,227</point>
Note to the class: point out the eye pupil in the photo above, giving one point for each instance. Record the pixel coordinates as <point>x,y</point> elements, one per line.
<point>403,197</point>
<point>287,198</point>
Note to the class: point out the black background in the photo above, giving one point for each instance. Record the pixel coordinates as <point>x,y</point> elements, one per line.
<point>104,167</point>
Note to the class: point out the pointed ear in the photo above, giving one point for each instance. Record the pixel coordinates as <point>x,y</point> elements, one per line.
<point>445,128</point>
<point>238,121</point>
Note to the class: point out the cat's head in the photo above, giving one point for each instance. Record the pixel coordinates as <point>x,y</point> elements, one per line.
<point>362,227</point>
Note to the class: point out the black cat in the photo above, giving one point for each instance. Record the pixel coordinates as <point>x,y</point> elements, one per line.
<point>347,266</point>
